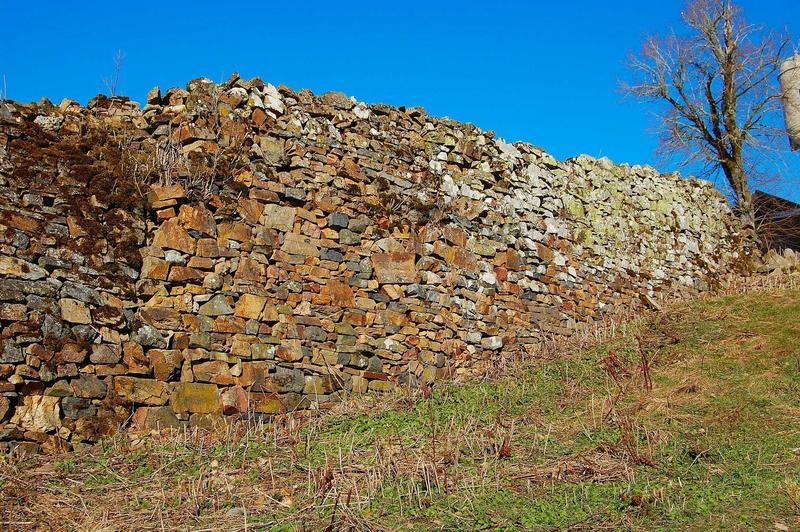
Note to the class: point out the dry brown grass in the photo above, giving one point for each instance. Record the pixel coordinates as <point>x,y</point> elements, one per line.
<point>550,417</point>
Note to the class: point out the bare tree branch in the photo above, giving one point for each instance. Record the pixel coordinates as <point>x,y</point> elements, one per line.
<point>112,83</point>
<point>714,84</point>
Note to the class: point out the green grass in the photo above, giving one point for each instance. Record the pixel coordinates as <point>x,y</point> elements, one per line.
<point>553,444</point>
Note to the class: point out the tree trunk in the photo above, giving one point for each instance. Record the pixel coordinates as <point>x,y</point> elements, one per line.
<point>737,179</point>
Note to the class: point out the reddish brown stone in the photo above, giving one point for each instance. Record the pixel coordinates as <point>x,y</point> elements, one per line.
<point>172,236</point>
<point>249,306</point>
<point>71,353</point>
<point>133,357</point>
<point>229,325</point>
<point>290,351</point>
<point>259,117</point>
<point>167,193</point>
<point>164,363</point>
<point>162,317</point>
<point>198,218</point>
<point>234,401</point>
<point>358,319</point>
<point>341,294</point>
<point>155,268</point>
<point>236,231</point>
<point>250,210</point>
<point>24,223</point>
<point>165,214</point>
<point>181,274</point>
<point>455,235</point>
<point>214,371</point>
<point>545,253</point>
<point>248,270</point>
<point>143,391</point>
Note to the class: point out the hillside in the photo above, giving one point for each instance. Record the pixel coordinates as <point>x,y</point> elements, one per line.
<point>686,419</point>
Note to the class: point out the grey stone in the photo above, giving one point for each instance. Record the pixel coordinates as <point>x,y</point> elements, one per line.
<point>10,353</point>
<point>174,257</point>
<point>492,343</point>
<point>87,333</point>
<point>295,287</point>
<point>295,194</point>
<point>80,292</point>
<point>200,339</point>
<point>331,255</point>
<point>288,380</point>
<point>148,336</point>
<point>21,240</point>
<point>78,407</point>
<point>359,224</point>
<point>156,418</point>
<point>337,220</point>
<point>348,237</point>
<point>375,364</point>
<point>315,333</point>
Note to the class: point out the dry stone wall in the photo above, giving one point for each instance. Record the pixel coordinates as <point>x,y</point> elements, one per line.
<point>244,250</point>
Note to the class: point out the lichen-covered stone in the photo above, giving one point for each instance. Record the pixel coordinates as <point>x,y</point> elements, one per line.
<point>155,418</point>
<point>196,398</point>
<point>267,403</point>
<point>216,306</point>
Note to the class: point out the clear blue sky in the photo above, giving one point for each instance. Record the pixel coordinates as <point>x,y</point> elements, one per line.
<point>545,72</point>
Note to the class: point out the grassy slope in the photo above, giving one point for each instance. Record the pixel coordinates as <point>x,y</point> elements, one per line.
<point>560,443</point>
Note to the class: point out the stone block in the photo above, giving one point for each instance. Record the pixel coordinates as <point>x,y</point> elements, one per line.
<point>170,235</point>
<point>249,306</point>
<point>295,244</point>
<point>74,311</point>
<point>278,217</point>
<point>196,398</point>
<point>234,401</point>
<point>394,268</point>
<point>141,391</point>
<point>88,386</point>
<point>155,418</point>
<point>216,306</point>
<point>38,413</point>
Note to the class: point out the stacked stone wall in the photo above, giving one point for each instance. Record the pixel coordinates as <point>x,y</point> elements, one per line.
<point>244,250</point>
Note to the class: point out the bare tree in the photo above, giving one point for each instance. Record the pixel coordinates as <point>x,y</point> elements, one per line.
<point>715,84</point>
<point>112,83</point>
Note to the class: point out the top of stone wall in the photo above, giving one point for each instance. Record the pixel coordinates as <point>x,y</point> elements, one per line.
<point>263,102</point>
